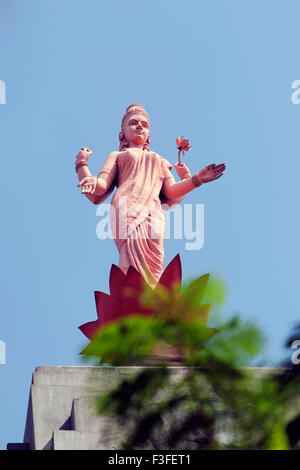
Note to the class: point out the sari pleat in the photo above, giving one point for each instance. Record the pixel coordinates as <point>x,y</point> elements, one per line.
<point>143,249</point>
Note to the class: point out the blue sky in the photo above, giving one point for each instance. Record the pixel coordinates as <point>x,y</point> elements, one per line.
<point>220,73</point>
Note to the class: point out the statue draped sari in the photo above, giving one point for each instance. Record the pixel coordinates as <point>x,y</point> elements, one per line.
<point>136,213</point>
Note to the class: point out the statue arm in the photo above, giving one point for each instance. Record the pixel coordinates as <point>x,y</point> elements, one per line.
<point>102,186</point>
<point>176,190</point>
<point>82,173</point>
<point>107,178</point>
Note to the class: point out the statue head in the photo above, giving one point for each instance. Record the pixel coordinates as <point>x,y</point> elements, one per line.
<point>135,127</point>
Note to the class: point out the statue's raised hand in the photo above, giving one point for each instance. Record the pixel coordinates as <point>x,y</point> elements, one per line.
<point>83,155</point>
<point>211,172</point>
<point>182,170</point>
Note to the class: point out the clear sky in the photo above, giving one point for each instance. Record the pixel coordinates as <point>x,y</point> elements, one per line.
<point>219,73</point>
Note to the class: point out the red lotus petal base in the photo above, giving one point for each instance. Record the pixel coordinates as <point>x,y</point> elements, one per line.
<point>120,303</point>
<point>123,301</point>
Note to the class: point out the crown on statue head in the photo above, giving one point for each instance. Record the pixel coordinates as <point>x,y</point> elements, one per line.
<point>135,108</point>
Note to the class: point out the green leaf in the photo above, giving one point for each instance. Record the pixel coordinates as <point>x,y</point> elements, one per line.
<point>278,438</point>
<point>125,340</point>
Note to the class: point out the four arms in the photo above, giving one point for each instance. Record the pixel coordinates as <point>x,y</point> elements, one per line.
<point>93,186</point>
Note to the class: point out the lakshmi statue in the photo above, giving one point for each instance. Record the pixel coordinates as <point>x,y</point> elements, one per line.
<point>145,187</point>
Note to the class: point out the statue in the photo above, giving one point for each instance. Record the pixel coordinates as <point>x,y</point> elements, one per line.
<point>145,186</point>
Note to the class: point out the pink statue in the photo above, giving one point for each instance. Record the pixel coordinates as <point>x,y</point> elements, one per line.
<point>145,186</point>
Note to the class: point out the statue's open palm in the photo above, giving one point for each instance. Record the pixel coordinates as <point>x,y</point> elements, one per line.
<point>211,172</point>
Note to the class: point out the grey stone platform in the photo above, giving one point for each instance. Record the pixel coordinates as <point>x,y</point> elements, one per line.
<point>60,413</point>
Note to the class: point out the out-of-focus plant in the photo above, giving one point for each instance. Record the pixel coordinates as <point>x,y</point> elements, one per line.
<point>216,402</point>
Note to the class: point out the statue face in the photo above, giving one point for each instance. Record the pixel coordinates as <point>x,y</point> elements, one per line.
<point>136,130</point>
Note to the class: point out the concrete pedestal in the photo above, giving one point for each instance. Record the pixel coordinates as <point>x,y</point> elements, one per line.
<point>60,412</point>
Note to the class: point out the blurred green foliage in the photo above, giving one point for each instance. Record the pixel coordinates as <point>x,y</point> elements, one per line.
<point>216,401</point>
